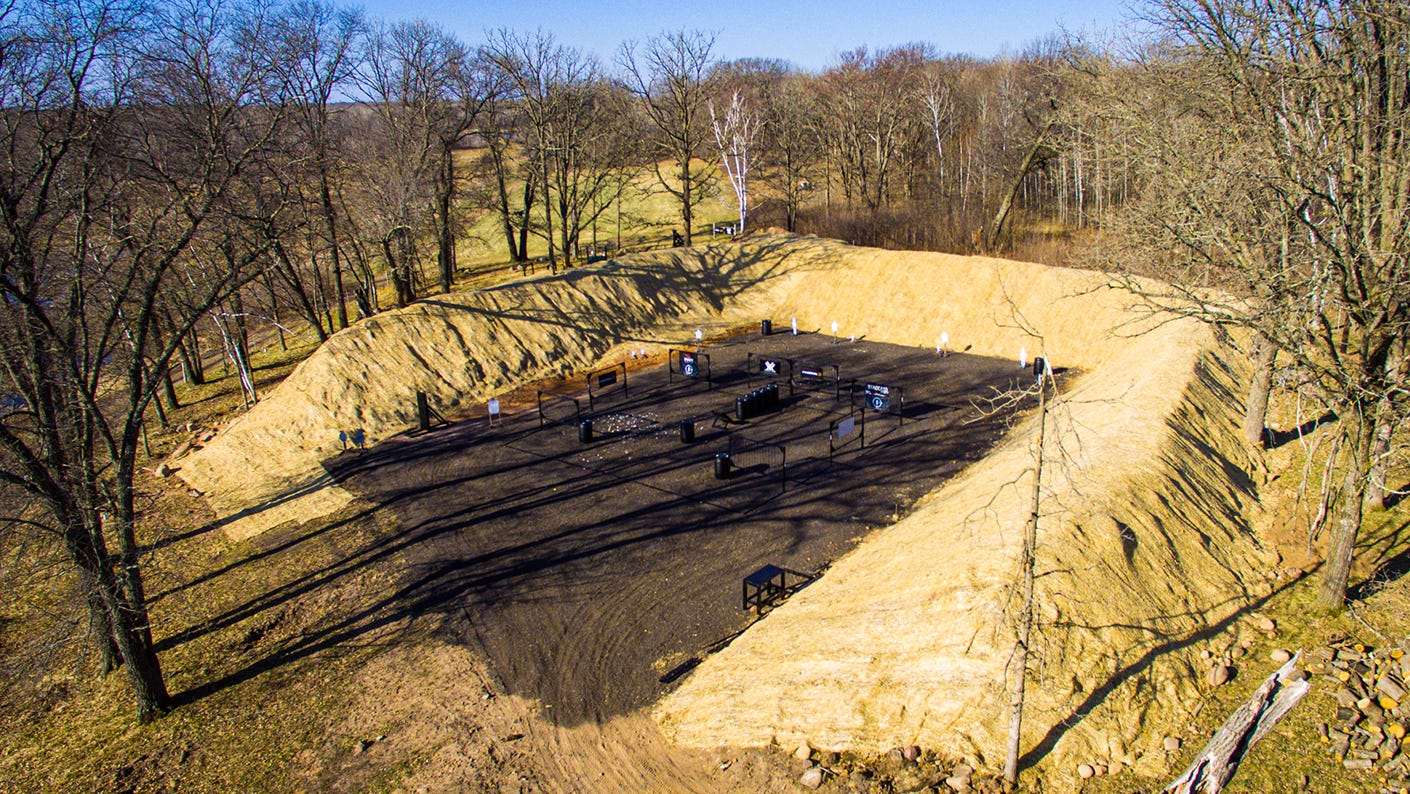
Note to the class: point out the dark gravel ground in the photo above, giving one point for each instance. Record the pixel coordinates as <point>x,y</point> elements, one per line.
<point>587,572</point>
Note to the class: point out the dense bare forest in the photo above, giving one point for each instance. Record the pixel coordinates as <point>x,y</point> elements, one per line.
<point>177,179</point>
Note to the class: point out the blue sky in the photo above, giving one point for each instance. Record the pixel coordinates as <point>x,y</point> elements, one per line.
<point>809,34</point>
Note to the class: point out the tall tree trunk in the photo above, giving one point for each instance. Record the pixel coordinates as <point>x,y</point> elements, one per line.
<point>1357,431</point>
<point>1027,563</point>
<point>330,221</point>
<point>89,563</point>
<point>400,274</point>
<point>133,623</point>
<point>566,230</point>
<point>445,237</point>
<point>1396,363</point>
<point>1380,453</point>
<point>134,642</point>
<point>547,219</point>
<point>164,376</point>
<point>290,276</point>
<point>161,412</point>
<point>524,227</point>
<point>687,206</point>
<point>996,227</point>
<point>1265,355</point>
<point>242,333</point>
<point>169,389</point>
<point>506,213</point>
<point>188,350</point>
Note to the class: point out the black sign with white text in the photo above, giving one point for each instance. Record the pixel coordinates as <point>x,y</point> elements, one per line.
<point>878,397</point>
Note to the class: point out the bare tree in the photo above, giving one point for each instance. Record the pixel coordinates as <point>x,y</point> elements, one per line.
<point>668,74</point>
<point>579,128</point>
<point>130,139</point>
<point>425,94</point>
<point>538,68</point>
<point>323,56</point>
<point>1023,629</point>
<point>735,130</point>
<point>790,150</point>
<point>508,180</point>
<point>1274,147</point>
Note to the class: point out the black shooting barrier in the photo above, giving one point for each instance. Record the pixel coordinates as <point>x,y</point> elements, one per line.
<point>756,402</point>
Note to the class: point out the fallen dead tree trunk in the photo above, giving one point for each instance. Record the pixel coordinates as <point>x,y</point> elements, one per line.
<point>1216,763</point>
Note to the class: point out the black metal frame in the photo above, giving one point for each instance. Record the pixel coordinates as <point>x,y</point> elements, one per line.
<point>806,382</point>
<point>897,395</point>
<point>673,366</point>
<point>752,368</point>
<point>832,446</point>
<point>736,440</point>
<point>577,408</point>
<point>592,379</point>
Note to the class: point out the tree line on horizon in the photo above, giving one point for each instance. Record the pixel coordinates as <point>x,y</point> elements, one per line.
<point>175,176</point>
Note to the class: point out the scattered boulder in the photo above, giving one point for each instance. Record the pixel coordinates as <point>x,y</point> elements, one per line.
<point>1280,655</point>
<point>812,778</point>
<point>803,752</point>
<point>1219,674</point>
<point>926,771</point>
<point>1171,743</point>
<point>1085,771</point>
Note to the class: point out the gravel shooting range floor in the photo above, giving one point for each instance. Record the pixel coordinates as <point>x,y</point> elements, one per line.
<point>593,574</point>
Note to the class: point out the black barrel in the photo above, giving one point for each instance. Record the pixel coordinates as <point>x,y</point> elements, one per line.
<point>722,466</point>
<point>741,408</point>
<point>687,431</point>
<point>766,328</point>
<point>585,431</point>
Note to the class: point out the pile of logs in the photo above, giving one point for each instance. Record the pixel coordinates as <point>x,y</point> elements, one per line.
<point>1373,710</point>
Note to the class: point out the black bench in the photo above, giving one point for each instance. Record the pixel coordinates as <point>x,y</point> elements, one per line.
<point>770,584</point>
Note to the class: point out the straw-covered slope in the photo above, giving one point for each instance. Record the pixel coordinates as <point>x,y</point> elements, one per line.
<point>1144,542</point>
